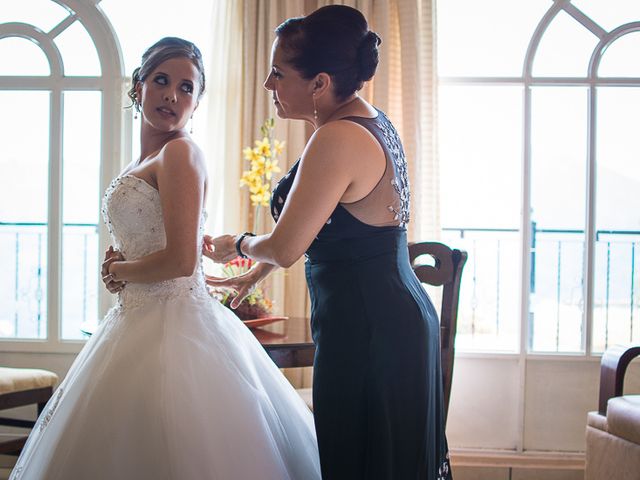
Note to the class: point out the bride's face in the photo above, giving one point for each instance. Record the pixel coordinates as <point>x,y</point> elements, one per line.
<point>170,94</point>
<point>292,94</point>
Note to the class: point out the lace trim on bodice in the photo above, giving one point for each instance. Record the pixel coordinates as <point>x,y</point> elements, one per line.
<point>138,294</point>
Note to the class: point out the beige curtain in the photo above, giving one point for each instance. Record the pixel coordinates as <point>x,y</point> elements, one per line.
<point>404,87</point>
<point>238,105</point>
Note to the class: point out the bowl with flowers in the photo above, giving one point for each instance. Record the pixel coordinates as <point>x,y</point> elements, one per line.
<point>256,309</point>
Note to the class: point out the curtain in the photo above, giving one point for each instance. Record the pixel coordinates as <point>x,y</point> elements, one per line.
<point>238,105</point>
<point>404,87</point>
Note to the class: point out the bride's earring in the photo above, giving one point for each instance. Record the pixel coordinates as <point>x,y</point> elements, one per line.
<point>135,106</point>
<point>315,108</point>
<point>191,128</point>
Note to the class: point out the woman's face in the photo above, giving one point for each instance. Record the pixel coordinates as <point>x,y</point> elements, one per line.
<point>169,94</point>
<point>292,94</point>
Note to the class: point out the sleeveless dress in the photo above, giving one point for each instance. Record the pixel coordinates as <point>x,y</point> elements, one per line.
<point>377,385</point>
<point>171,386</point>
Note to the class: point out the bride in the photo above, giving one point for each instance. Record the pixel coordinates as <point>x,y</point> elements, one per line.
<point>172,385</point>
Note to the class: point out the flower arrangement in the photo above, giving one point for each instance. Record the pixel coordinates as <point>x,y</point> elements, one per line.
<point>255,305</point>
<point>263,163</point>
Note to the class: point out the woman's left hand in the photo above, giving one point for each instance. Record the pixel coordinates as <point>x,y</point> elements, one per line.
<point>221,249</point>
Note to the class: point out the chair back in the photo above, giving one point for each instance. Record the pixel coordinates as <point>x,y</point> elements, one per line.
<point>446,272</point>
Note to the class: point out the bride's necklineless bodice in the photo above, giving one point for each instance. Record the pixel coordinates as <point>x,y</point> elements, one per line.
<point>132,211</point>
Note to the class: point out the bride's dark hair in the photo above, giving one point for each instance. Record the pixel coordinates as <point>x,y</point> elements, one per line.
<point>336,40</point>
<point>159,52</point>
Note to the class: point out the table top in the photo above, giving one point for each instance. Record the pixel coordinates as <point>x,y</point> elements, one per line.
<point>288,342</point>
<point>293,330</point>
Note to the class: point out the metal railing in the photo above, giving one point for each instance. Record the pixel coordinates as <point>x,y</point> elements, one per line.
<point>488,296</point>
<point>23,313</point>
<point>556,284</point>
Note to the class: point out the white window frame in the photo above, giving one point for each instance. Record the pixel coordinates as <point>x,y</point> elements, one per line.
<point>527,80</point>
<point>113,119</point>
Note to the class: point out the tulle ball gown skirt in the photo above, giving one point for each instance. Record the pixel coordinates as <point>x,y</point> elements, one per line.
<point>172,387</point>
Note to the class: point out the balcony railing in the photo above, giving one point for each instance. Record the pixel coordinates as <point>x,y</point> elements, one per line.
<point>23,278</point>
<point>489,311</point>
<point>489,305</point>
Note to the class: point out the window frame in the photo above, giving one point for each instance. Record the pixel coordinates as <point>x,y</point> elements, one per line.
<point>527,80</point>
<point>114,123</point>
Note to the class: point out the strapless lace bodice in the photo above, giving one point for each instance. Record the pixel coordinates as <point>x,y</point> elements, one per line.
<point>132,211</point>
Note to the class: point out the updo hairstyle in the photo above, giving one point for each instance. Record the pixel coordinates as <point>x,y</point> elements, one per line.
<point>336,40</point>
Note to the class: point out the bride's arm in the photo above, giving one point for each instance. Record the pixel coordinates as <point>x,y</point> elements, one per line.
<point>181,178</point>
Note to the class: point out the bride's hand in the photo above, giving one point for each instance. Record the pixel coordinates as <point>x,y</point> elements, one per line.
<point>111,256</point>
<point>243,284</point>
<point>221,249</point>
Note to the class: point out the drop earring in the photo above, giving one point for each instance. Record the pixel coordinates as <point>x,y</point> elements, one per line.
<point>315,108</point>
<point>191,128</point>
<point>135,106</point>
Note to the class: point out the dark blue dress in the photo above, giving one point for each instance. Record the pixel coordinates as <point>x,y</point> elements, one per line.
<point>377,384</point>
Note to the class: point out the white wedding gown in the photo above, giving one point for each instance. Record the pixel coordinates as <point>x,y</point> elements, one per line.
<point>171,386</point>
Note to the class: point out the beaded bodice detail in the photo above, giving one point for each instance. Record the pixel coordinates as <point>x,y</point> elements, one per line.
<point>132,211</point>
<point>400,181</point>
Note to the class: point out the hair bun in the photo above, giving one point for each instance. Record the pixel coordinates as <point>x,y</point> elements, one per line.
<point>368,56</point>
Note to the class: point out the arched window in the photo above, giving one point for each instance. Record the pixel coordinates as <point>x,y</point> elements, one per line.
<point>539,114</point>
<point>61,96</point>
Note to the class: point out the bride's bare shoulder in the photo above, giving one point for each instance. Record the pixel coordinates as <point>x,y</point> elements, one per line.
<point>181,153</point>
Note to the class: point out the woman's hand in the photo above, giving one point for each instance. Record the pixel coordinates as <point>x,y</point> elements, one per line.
<point>243,284</point>
<point>220,249</point>
<point>111,256</point>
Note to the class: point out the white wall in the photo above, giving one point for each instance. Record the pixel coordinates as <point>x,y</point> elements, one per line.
<point>557,394</point>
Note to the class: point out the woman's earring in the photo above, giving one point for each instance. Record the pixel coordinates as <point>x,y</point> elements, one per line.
<point>315,109</point>
<point>191,129</point>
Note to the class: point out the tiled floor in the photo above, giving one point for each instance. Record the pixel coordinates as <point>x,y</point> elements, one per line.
<point>476,473</point>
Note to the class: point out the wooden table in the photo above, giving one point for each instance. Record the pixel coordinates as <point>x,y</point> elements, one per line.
<point>291,348</point>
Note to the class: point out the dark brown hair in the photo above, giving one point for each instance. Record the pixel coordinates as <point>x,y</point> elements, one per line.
<point>336,40</point>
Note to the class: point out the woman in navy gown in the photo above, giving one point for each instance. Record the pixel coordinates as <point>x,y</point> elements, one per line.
<point>377,388</point>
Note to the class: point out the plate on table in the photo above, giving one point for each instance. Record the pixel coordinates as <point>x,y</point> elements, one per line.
<point>262,321</point>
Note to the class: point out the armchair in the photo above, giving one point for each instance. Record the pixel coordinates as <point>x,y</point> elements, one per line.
<point>613,432</point>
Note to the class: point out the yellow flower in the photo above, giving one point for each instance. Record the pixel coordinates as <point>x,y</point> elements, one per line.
<point>251,154</point>
<point>250,179</point>
<point>260,195</point>
<point>258,168</point>
<point>278,146</point>
<point>264,147</point>
<point>271,167</point>
<point>262,165</point>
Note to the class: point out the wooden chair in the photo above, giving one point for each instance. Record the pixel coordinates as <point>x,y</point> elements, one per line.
<point>19,387</point>
<point>446,272</point>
